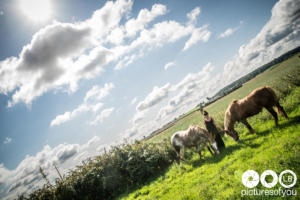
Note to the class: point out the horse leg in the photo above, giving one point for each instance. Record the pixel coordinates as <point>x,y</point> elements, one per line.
<point>200,155</point>
<point>272,111</point>
<point>198,147</point>
<point>182,152</point>
<point>245,122</point>
<point>281,110</point>
<point>220,142</point>
<point>177,148</point>
<point>209,149</point>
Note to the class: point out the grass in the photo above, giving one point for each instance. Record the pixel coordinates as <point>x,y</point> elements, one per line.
<point>271,77</point>
<point>219,177</point>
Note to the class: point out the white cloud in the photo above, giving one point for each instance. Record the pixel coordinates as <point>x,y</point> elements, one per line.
<point>127,60</point>
<point>227,33</point>
<point>1,12</point>
<point>198,34</point>
<point>60,119</point>
<point>129,133</point>
<point>133,26</point>
<point>26,176</point>
<point>116,36</point>
<point>163,32</point>
<point>91,103</point>
<point>192,16</point>
<point>160,34</point>
<point>169,64</point>
<point>44,63</point>
<point>38,67</point>
<point>67,116</point>
<point>145,16</point>
<point>103,115</point>
<point>66,152</point>
<point>280,34</point>
<point>191,89</point>
<point>98,93</point>
<point>7,140</point>
<point>138,116</point>
<point>137,131</point>
<point>107,18</point>
<point>182,97</point>
<point>88,46</point>
<point>154,97</point>
<point>133,101</point>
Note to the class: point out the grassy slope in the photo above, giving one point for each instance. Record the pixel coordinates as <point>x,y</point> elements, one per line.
<point>217,109</point>
<point>275,148</point>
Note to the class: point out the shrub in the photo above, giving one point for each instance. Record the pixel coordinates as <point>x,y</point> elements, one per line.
<point>123,168</point>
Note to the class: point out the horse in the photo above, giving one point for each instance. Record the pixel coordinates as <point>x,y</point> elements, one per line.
<point>213,128</point>
<point>194,136</point>
<point>240,110</point>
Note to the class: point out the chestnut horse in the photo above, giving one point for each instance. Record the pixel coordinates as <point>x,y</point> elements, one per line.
<point>240,110</point>
<point>194,136</point>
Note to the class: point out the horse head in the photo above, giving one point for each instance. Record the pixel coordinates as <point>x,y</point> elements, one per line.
<point>233,134</point>
<point>229,122</point>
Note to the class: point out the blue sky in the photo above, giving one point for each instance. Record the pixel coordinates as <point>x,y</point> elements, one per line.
<point>78,76</point>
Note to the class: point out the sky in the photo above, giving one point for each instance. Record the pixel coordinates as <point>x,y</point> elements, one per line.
<point>79,76</point>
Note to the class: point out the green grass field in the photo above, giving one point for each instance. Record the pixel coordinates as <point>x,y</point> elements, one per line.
<point>219,177</point>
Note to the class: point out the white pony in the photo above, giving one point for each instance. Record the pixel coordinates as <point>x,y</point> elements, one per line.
<point>194,136</point>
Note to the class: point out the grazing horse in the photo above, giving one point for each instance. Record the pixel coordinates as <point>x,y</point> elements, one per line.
<point>240,110</point>
<point>194,136</point>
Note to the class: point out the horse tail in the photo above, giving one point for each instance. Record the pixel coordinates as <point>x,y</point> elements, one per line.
<point>272,92</point>
<point>280,109</point>
<point>177,149</point>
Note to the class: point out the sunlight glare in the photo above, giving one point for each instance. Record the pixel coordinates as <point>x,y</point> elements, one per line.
<point>36,10</point>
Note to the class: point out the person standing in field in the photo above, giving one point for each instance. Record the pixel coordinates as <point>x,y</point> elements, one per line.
<point>213,129</point>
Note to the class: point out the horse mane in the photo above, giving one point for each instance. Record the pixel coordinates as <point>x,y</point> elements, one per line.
<point>228,116</point>
<point>194,130</point>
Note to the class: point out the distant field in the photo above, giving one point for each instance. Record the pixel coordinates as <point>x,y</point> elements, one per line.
<point>271,77</point>
<point>275,148</point>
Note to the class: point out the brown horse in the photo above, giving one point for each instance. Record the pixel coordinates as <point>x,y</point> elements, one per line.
<point>240,110</point>
<point>194,136</point>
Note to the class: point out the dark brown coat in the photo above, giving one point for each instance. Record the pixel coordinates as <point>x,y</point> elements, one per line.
<point>213,129</point>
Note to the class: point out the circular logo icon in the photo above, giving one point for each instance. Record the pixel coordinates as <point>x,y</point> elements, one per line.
<point>250,178</point>
<point>286,172</point>
<point>269,173</point>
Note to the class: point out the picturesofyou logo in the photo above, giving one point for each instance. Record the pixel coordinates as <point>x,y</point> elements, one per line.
<point>269,179</point>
